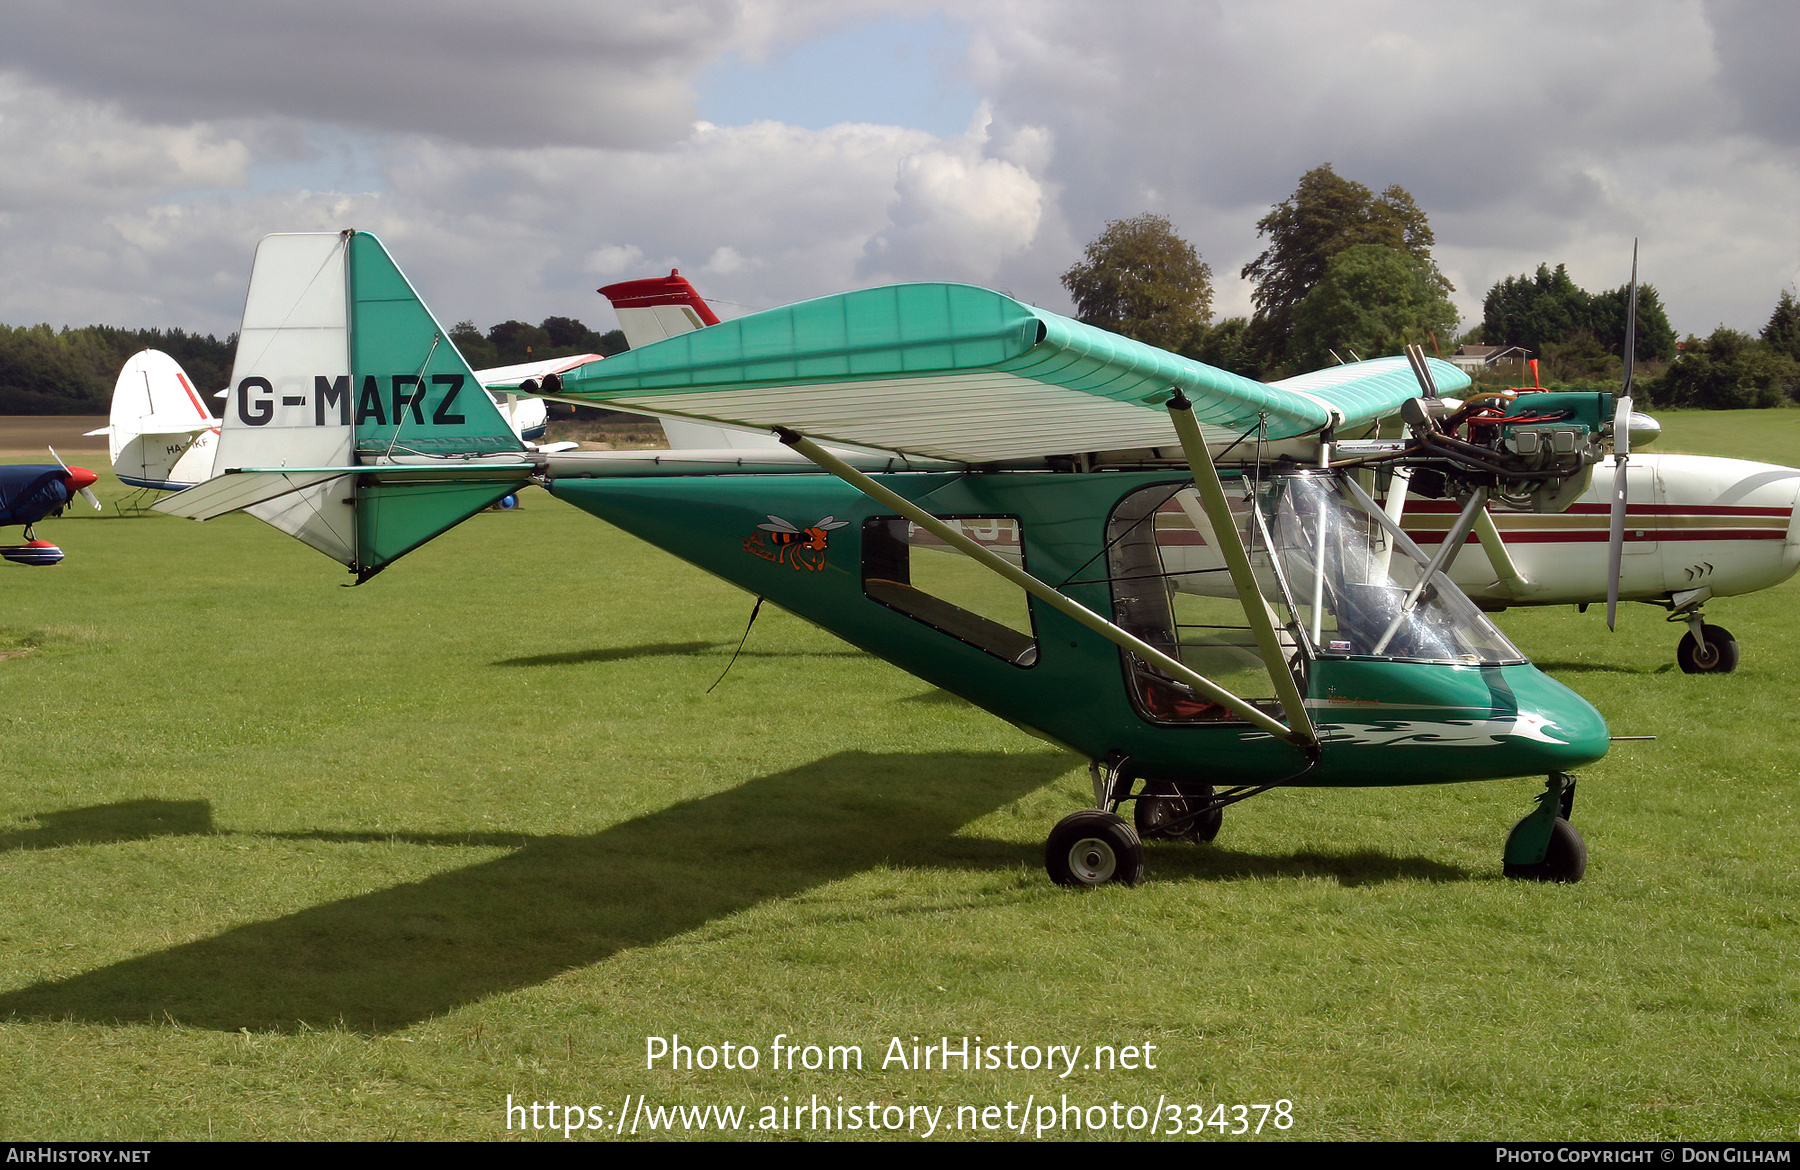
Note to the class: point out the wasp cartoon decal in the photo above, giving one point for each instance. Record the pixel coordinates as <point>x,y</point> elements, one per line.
<point>802,548</point>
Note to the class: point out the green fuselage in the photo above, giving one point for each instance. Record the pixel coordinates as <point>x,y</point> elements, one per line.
<point>799,541</point>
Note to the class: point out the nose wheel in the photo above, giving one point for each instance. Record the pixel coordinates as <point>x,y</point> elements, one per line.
<point>1544,846</point>
<point>1714,651</point>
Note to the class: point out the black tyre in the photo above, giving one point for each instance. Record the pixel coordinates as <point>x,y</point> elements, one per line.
<point>1721,656</point>
<point>1092,848</point>
<point>1565,862</point>
<point>1165,812</point>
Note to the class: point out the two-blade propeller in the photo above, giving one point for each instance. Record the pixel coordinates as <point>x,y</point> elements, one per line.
<point>78,479</point>
<point>1615,550</point>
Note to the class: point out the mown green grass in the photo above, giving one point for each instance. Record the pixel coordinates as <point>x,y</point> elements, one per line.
<point>285,860</point>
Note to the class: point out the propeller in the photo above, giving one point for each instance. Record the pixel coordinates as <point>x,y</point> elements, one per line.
<point>80,479</point>
<point>1615,550</point>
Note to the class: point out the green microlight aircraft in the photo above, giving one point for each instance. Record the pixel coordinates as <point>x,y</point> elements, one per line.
<point>1180,574</point>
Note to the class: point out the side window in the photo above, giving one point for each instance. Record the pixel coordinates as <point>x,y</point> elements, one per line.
<point>908,569</point>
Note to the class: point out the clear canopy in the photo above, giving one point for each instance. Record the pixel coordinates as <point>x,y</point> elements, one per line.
<point>1340,579</point>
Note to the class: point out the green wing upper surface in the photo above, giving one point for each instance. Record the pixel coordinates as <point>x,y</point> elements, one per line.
<point>957,372</point>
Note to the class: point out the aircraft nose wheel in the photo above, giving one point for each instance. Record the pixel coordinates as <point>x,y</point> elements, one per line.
<point>1720,655</point>
<point>1092,848</point>
<point>1565,861</point>
<point>1544,846</point>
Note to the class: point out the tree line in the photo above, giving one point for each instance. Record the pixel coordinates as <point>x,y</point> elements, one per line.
<point>72,370</point>
<point>1348,274</point>
<point>512,342</point>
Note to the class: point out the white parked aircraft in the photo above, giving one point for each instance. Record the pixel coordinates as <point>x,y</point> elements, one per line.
<point>159,435</point>
<point>1697,528</point>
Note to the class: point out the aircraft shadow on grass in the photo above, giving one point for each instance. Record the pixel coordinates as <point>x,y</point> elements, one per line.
<point>387,960</point>
<point>1365,868</point>
<point>108,824</point>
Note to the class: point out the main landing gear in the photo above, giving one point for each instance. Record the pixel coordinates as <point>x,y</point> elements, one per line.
<point>1544,846</point>
<point>1096,846</point>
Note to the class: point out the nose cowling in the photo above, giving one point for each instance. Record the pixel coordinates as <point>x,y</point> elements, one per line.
<point>1557,730</point>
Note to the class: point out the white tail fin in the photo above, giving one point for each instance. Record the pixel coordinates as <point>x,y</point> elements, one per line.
<point>159,434</point>
<point>656,309</point>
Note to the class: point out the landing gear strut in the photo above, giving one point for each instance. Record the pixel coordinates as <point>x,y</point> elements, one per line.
<point>1177,812</point>
<point>1544,846</point>
<point>1704,649</point>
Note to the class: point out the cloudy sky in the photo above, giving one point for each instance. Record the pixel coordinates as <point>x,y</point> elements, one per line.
<point>516,156</point>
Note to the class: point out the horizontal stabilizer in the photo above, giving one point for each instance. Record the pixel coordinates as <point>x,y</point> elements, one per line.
<point>242,487</point>
<point>163,424</point>
<point>230,493</point>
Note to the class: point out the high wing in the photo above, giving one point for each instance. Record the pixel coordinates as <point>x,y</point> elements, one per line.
<point>512,379</point>
<point>950,371</point>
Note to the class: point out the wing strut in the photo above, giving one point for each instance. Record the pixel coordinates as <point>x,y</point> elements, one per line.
<point>1046,593</point>
<point>1237,561</point>
<point>1515,582</point>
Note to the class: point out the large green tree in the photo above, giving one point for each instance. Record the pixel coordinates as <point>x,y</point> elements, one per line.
<point>1141,279</point>
<point>1327,214</point>
<point>1531,310</point>
<point>1783,330</point>
<point>1372,301</point>
<point>1227,346</point>
<point>1548,311</point>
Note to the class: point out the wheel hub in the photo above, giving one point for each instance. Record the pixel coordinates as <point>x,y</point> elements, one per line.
<point>1093,860</point>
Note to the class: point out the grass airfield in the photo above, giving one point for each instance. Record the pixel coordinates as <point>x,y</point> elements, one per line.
<point>283,860</point>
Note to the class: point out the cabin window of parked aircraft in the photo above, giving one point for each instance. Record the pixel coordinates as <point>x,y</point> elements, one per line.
<point>947,590</point>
